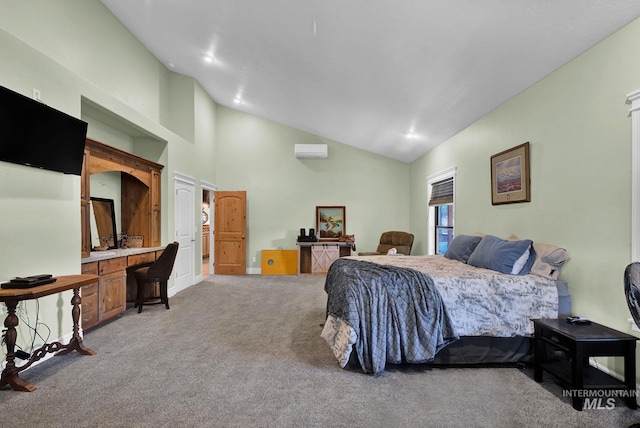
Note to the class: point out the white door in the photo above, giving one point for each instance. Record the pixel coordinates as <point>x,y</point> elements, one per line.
<point>185,231</point>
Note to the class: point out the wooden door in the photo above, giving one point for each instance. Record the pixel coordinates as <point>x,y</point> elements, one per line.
<point>229,233</point>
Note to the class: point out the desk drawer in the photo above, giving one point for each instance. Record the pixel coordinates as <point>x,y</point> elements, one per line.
<point>137,259</point>
<point>90,302</point>
<point>89,319</point>
<point>88,290</point>
<point>90,268</point>
<point>112,265</point>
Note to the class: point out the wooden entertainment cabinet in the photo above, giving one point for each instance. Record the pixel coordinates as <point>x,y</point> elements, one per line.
<point>140,192</point>
<point>140,180</point>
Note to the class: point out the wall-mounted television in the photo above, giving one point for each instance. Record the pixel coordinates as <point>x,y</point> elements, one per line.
<point>34,134</point>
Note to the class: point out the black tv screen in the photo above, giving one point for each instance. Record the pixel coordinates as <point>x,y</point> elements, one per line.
<point>34,134</point>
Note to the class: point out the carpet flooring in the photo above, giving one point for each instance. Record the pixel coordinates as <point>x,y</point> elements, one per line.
<point>245,351</point>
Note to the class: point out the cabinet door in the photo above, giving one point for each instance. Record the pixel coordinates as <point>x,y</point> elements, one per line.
<point>205,240</point>
<point>155,190</point>
<point>155,209</point>
<point>113,295</point>
<point>155,228</point>
<point>85,209</point>
<point>322,257</point>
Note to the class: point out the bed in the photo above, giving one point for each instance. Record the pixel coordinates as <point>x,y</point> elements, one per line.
<point>472,306</point>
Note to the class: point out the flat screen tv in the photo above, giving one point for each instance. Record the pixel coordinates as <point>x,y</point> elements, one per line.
<point>34,134</point>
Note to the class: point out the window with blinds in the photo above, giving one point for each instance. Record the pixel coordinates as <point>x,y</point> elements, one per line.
<point>442,200</point>
<point>442,192</point>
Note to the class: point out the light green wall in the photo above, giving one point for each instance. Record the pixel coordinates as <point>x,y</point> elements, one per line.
<point>40,209</point>
<point>257,155</point>
<point>579,128</point>
<point>84,36</point>
<point>78,55</point>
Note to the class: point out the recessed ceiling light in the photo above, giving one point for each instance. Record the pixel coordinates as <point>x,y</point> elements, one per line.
<point>411,135</point>
<point>208,59</point>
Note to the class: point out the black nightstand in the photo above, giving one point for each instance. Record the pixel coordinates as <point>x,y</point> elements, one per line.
<point>578,342</point>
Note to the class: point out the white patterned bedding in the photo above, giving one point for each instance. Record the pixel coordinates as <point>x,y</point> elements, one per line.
<point>389,314</point>
<point>483,302</point>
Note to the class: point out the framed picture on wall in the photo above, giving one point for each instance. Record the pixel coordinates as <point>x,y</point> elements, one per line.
<point>510,179</point>
<point>330,222</point>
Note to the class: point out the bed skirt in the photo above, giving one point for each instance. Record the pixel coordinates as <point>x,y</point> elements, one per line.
<point>480,351</point>
<point>470,350</point>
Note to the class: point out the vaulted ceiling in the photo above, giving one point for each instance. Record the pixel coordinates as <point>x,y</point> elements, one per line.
<point>394,77</point>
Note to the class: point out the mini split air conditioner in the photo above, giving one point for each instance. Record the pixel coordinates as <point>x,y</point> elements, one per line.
<point>311,151</point>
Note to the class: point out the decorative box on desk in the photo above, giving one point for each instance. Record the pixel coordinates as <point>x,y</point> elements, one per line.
<point>316,257</point>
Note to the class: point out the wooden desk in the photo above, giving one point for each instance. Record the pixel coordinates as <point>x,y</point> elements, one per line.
<point>11,298</point>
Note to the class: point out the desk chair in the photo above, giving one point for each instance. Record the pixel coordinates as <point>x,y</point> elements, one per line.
<point>157,272</point>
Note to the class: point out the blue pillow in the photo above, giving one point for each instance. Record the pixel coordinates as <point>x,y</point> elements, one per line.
<point>497,254</point>
<point>461,247</point>
<point>529,264</point>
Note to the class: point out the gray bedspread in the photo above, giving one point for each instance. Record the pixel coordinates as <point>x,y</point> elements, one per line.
<point>483,302</point>
<point>397,314</point>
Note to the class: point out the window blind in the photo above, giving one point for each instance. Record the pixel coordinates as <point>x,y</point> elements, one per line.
<point>442,192</point>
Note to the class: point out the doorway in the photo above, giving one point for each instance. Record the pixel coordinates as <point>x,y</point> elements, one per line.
<point>208,192</point>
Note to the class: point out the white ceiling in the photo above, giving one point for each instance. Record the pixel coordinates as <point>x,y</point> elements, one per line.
<point>368,72</point>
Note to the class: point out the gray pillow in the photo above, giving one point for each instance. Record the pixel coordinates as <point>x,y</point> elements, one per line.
<point>497,254</point>
<point>549,260</point>
<point>461,247</point>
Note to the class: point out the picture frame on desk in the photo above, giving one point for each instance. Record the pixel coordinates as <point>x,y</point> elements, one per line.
<point>330,222</point>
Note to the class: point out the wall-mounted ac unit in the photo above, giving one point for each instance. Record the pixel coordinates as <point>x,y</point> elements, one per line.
<point>311,150</point>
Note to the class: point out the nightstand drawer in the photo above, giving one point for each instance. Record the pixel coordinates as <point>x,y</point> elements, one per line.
<point>557,340</point>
